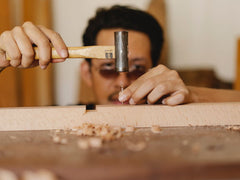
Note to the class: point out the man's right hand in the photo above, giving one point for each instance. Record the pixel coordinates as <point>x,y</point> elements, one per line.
<point>18,45</point>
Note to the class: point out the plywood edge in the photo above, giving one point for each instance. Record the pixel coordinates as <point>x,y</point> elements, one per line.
<point>196,114</point>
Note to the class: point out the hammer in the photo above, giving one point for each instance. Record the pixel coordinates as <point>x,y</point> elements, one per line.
<point>119,52</point>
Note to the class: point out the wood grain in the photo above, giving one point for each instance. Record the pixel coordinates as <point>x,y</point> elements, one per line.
<point>199,114</point>
<point>98,52</point>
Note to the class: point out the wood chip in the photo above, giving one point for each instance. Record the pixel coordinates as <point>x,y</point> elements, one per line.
<point>129,129</point>
<point>139,146</point>
<point>38,175</point>
<point>63,141</point>
<point>83,144</point>
<point>56,139</point>
<point>156,129</point>
<point>7,175</point>
<point>95,142</point>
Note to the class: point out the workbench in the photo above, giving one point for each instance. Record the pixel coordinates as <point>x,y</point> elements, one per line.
<point>173,153</point>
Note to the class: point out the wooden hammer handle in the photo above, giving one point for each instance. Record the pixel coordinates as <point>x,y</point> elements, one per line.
<point>98,52</point>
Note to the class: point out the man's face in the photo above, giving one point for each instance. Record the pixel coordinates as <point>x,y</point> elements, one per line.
<point>107,83</point>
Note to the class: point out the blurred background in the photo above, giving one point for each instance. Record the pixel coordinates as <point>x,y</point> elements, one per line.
<point>202,43</point>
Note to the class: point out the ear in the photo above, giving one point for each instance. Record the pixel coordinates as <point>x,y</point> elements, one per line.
<point>86,73</point>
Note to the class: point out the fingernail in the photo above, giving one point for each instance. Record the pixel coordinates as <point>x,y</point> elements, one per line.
<point>43,66</point>
<point>64,53</point>
<point>131,101</point>
<point>122,97</point>
<point>164,101</point>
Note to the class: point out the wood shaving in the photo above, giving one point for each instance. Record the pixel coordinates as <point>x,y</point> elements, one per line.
<point>57,130</point>
<point>95,142</point>
<point>139,146</point>
<point>129,129</point>
<point>156,129</point>
<point>83,144</point>
<point>105,132</point>
<point>234,128</point>
<point>56,139</point>
<point>63,141</point>
<point>7,175</point>
<point>38,175</point>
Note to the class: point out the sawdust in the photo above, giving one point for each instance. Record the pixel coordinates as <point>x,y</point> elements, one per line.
<point>94,136</point>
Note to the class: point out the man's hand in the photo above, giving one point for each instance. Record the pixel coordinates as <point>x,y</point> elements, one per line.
<point>18,45</point>
<point>159,85</point>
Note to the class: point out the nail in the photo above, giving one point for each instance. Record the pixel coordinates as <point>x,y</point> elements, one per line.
<point>64,53</point>
<point>122,97</point>
<point>131,101</point>
<point>43,66</point>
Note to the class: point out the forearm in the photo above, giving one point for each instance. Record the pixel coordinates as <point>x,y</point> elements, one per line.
<point>199,94</point>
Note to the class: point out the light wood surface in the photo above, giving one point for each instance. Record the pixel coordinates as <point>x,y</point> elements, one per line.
<point>98,52</point>
<point>175,153</point>
<point>42,118</point>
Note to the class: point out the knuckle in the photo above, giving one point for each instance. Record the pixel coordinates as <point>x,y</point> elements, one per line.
<point>149,83</point>
<point>174,73</point>
<point>28,54</point>
<point>17,29</point>
<point>15,63</point>
<point>27,23</point>
<point>161,88</point>
<point>56,35</point>
<point>161,67</point>
<point>15,56</point>
<point>5,34</point>
<point>45,43</point>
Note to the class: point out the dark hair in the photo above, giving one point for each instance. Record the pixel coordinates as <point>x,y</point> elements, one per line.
<point>127,18</point>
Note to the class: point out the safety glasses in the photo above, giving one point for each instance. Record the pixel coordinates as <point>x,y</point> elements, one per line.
<point>131,75</point>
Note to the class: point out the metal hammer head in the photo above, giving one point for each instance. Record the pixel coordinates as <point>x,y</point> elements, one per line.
<point>121,51</point>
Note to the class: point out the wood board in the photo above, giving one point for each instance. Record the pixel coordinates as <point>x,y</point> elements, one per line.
<point>53,117</point>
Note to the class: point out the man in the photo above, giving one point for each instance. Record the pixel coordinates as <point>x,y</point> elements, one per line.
<point>143,84</point>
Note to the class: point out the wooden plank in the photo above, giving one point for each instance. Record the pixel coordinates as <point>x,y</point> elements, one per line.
<point>198,114</point>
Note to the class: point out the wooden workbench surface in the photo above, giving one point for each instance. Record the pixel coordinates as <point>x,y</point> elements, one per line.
<point>175,153</point>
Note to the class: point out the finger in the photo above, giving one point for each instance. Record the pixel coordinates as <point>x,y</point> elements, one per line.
<point>3,61</point>
<point>143,90</point>
<point>42,42</point>
<point>56,40</point>
<point>11,49</point>
<point>127,93</point>
<point>176,98</point>
<point>161,90</point>
<point>24,45</point>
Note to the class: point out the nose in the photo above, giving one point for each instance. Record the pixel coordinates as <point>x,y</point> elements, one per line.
<point>122,80</point>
